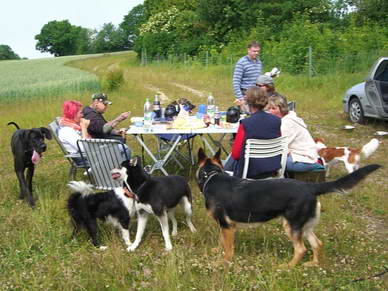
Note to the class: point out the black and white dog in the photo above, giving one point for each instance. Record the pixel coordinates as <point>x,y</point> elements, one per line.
<point>116,207</point>
<point>158,196</point>
<point>27,148</point>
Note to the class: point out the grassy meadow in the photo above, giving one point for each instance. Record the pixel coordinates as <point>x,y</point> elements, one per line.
<point>36,252</point>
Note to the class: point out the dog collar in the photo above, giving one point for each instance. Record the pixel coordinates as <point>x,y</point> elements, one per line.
<point>129,194</point>
<point>208,179</point>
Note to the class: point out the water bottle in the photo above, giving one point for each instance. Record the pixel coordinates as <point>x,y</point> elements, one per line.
<point>217,116</point>
<point>156,107</point>
<point>210,106</point>
<point>147,114</point>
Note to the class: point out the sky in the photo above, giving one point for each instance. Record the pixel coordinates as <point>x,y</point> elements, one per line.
<point>21,20</point>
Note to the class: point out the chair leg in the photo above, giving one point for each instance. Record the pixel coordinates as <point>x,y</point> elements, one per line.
<point>72,172</point>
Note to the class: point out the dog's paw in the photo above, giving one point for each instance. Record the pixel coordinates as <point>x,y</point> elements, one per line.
<point>311,264</point>
<point>102,248</point>
<point>131,248</point>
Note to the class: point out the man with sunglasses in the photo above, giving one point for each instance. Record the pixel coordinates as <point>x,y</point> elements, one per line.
<point>99,127</point>
<point>266,83</point>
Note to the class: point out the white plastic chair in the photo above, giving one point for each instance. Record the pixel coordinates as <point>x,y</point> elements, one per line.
<point>102,155</point>
<point>266,148</point>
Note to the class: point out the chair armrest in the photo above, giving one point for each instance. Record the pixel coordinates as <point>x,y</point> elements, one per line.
<point>73,156</point>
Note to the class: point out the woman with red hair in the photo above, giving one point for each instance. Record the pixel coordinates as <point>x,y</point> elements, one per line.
<point>72,126</point>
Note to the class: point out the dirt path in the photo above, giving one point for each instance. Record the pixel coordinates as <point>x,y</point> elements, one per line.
<point>163,97</point>
<point>191,90</point>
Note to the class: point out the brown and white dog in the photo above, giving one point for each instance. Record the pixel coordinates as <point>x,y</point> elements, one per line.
<point>349,156</point>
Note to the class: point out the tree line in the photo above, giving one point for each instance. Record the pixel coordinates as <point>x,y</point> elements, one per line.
<point>285,28</point>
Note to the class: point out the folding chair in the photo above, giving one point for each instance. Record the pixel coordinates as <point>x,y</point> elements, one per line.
<point>165,142</point>
<point>102,155</point>
<point>266,148</point>
<point>74,159</point>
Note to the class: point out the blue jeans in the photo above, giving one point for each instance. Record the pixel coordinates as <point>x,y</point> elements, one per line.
<point>302,167</point>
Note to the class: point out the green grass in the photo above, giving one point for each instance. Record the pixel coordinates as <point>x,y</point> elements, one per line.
<point>36,252</point>
<point>46,77</point>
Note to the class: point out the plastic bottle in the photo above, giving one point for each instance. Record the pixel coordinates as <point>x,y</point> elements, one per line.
<point>210,106</point>
<point>217,116</point>
<point>147,114</point>
<point>156,107</point>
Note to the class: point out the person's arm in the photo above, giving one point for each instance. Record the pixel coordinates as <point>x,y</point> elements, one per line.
<point>237,79</point>
<point>109,126</point>
<point>84,123</point>
<point>238,143</point>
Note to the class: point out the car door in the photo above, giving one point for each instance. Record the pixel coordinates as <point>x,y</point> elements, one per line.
<point>376,89</point>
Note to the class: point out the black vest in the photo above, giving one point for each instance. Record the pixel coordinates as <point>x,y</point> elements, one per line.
<point>260,125</point>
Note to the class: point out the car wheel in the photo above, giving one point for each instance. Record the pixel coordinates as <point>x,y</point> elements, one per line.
<point>356,114</point>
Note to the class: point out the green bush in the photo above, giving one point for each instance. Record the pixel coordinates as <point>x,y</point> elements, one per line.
<point>113,80</point>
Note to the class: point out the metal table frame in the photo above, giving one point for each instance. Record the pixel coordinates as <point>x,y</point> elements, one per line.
<point>206,134</point>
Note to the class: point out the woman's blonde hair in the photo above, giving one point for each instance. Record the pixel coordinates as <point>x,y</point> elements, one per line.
<point>257,98</point>
<point>280,101</point>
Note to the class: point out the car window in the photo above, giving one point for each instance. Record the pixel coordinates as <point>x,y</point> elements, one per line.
<point>382,72</point>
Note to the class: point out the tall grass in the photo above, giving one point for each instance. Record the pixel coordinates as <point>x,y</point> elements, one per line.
<point>46,77</point>
<point>36,251</point>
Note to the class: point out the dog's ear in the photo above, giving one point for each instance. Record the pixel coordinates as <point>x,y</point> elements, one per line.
<point>46,132</point>
<point>201,155</point>
<point>217,156</point>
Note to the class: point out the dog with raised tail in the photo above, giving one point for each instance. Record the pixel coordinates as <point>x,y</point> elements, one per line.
<point>115,207</point>
<point>349,156</point>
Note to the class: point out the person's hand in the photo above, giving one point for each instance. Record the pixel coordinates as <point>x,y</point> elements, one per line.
<point>124,115</point>
<point>122,131</point>
<point>239,102</point>
<point>84,123</point>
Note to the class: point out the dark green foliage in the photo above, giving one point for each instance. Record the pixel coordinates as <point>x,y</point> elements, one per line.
<point>6,53</point>
<point>109,39</point>
<point>60,38</point>
<point>130,25</point>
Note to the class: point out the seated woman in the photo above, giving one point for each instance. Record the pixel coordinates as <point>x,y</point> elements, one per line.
<point>303,155</point>
<point>260,125</point>
<point>72,127</point>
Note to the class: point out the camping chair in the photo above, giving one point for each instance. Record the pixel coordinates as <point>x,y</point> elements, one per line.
<point>74,159</point>
<point>102,155</point>
<point>165,142</point>
<point>266,148</point>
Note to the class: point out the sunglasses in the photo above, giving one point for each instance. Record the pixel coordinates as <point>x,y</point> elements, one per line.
<point>261,85</point>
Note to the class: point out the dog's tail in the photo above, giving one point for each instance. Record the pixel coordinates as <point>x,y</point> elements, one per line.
<point>14,123</point>
<point>370,147</point>
<point>81,187</point>
<point>345,183</point>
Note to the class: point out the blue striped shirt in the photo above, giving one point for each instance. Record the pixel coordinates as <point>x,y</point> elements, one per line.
<point>245,74</point>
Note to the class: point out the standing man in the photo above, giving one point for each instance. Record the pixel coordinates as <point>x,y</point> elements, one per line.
<point>99,127</point>
<point>246,72</point>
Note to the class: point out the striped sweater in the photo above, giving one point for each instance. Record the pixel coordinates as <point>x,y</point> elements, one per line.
<point>245,74</point>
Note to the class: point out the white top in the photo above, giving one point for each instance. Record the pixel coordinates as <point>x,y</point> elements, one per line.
<point>301,145</point>
<point>69,137</point>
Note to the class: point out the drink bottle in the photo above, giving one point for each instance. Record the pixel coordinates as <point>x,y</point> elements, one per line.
<point>147,114</point>
<point>210,106</point>
<point>217,116</point>
<point>156,107</point>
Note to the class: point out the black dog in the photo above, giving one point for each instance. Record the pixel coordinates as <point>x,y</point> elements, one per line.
<point>27,148</point>
<point>235,202</point>
<point>158,196</point>
<point>116,207</point>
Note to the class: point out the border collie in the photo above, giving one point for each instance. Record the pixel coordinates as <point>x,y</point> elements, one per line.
<point>158,196</point>
<point>116,207</point>
<point>349,156</point>
<point>235,202</point>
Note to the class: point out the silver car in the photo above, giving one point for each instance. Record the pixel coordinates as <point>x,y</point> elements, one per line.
<point>369,98</point>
